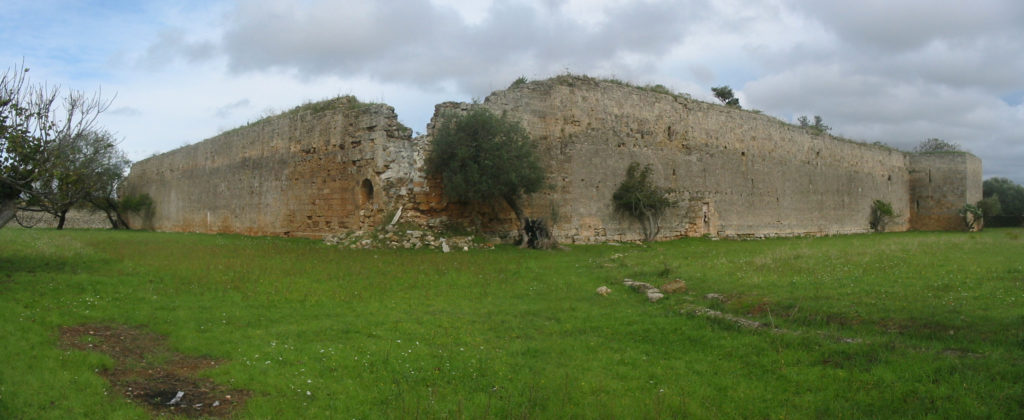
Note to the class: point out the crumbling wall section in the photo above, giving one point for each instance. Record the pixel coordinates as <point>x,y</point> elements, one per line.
<point>319,169</point>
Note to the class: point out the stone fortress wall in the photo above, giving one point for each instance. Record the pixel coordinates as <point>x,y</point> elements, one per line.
<point>309,172</point>
<point>342,166</point>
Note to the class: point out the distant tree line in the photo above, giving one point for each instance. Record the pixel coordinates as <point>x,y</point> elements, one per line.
<point>1003,203</point>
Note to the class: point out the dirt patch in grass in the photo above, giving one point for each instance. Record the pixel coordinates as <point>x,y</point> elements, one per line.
<point>148,372</point>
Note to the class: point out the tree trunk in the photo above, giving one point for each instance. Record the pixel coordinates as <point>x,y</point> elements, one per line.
<point>63,216</point>
<point>121,221</point>
<point>511,201</point>
<point>110,218</point>
<point>8,208</point>
<point>651,225</point>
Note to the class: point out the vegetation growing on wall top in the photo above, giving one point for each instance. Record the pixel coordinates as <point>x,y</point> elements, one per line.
<point>344,102</point>
<point>937,145</point>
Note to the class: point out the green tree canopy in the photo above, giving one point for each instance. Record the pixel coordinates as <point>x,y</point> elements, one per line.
<point>990,206</point>
<point>481,156</point>
<point>87,168</point>
<point>638,197</point>
<point>726,95</point>
<point>1009,193</point>
<point>817,127</point>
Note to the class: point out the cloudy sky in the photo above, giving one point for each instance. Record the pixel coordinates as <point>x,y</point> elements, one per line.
<point>895,71</point>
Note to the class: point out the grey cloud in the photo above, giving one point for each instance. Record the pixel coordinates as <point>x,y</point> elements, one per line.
<point>895,26</point>
<point>877,70</point>
<point>875,108</point>
<point>226,110</point>
<point>413,42</point>
<point>173,44</point>
<point>702,73</point>
<point>901,72</point>
<point>978,44</point>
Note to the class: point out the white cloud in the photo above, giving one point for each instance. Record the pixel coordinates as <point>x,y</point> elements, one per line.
<point>875,70</point>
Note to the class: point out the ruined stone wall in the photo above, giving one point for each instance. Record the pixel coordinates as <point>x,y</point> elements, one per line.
<point>75,219</point>
<point>315,170</point>
<point>940,184</point>
<point>342,166</point>
<point>735,173</point>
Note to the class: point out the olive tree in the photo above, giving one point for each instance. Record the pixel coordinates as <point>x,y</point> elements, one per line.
<point>726,95</point>
<point>881,214</point>
<point>971,216</point>
<point>481,156</point>
<point>638,197</point>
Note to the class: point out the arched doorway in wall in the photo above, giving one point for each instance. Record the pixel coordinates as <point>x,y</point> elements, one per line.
<point>367,208</point>
<point>366,193</point>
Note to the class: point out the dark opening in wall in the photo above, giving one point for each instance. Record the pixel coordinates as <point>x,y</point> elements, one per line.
<point>366,192</point>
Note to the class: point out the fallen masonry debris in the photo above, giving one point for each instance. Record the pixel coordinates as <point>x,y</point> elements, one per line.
<point>392,238</point>
<point>653,293</point>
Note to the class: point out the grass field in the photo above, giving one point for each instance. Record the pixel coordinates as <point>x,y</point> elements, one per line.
<point>894,326</point>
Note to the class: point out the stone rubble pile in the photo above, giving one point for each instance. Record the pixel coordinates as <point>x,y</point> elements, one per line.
<point>392,238</point>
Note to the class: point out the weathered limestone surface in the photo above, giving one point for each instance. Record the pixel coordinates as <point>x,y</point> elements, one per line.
<point>940,184</point>
<point>736,173</point>
<point>347,166</point>
<point>309,172</point>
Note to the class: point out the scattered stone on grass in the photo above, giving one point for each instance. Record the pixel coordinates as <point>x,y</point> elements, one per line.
<point>170,386</point>
<point>714,296</point>
<point>603,290</point>
<point>711,313</point>
<point>673,287</point>
<point>653,294</point>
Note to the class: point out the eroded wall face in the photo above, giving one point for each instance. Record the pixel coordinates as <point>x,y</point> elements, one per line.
<point>734,173</point>
<point>940,184</point>
<point>301,173</point>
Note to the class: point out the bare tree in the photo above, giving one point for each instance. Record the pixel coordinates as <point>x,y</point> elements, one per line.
<point>86,167</point>
<point>38,124</point>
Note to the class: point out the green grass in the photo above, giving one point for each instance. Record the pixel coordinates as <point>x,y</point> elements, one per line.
<point>892,325</point>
